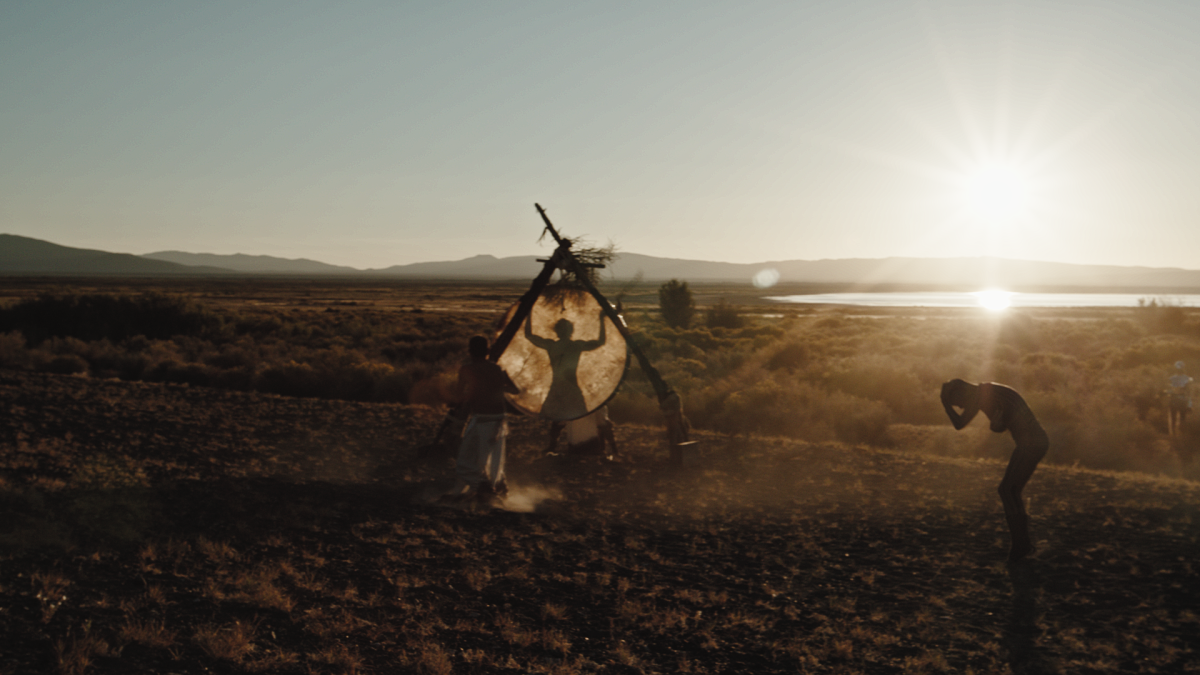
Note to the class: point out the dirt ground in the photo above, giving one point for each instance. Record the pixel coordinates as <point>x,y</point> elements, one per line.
<point>162,528</point>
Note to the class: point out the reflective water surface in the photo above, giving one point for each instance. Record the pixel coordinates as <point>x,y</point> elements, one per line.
<point>990,299</point>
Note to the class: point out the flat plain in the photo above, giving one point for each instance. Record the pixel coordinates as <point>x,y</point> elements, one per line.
<point>161,527</point>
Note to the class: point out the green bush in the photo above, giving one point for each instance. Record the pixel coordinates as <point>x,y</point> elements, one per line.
<point>676,304</point>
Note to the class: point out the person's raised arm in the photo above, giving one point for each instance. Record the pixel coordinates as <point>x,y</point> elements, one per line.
<point>953,395</point>
<point>537,340</point>
<point>598,342</point>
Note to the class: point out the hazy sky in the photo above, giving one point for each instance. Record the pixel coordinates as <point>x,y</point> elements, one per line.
<point>372,134</point>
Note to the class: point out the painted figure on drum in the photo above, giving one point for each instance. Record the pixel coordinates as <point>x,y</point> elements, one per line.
<point>564,401</point>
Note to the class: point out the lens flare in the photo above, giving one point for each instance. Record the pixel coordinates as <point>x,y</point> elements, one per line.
<point>994,300</point>
<point>766,278</point>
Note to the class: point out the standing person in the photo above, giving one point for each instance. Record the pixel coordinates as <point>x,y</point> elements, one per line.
<point>1006,411</point>
<point>481,387</point>
<point>1180,403</point>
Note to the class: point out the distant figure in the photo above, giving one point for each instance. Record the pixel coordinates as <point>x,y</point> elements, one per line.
<point>1180,403</point>
<point>1006,411</point>
<point>481,387</point>
<point>564,401</point>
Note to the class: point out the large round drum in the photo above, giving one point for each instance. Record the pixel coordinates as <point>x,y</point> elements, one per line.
<point>567,357</point>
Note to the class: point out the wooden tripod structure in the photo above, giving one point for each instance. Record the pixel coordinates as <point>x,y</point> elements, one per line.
<point>668,400</point>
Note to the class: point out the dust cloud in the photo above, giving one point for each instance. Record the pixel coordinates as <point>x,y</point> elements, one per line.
<point>526,499</point>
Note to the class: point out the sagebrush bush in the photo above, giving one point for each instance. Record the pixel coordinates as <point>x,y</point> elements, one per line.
<point>115,317</point>
<point>13,354</point>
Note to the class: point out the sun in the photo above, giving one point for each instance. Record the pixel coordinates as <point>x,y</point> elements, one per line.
<point>997,191</point>
<point>994,299</point>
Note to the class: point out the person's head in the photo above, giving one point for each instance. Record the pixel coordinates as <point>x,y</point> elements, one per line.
<point>563,329</point>
<point>1179,366</point>
<point>958,392</point>
<point>477,347</point>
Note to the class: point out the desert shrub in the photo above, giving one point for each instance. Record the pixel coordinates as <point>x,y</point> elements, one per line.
<point>115,317</point>
<point>180,372</point>
<point>684,374</point>
<point>883,379</point>
<point>233,355</point>
<point>790,356</point>
<point>798,409</point>
<point>242,378</point>
<point>724,362</point>
<point>1048,371</point>
<point>289,379</point>
<point>64,364</point>
<point>366,381</point>
<point>1155,350</point>
<point>13,353</point>
<point>109,360</point>
<point>724,315</point>
<point>1162,315</point>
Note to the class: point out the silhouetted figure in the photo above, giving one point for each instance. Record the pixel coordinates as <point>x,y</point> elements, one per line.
<point>1180,400</point>
<point>564,401</point>
<point>1006,411</point>
<point>481,387</point>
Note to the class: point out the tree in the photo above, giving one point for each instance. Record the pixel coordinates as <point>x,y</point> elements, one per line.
<point>676,303</point>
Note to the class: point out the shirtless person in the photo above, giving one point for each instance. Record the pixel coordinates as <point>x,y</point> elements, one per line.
<point>1006,411</point>
<point>481,388</point>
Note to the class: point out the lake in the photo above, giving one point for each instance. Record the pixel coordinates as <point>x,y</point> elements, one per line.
<point>989,299</point>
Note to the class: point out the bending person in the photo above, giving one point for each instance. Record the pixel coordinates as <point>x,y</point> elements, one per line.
<point>1006,411</point>
<point>564,401</point>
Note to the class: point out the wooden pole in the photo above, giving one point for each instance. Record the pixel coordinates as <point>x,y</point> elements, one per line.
<point>527,301</point>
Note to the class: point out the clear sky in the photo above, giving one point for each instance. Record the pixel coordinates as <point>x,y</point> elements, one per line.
<point>372,134</point>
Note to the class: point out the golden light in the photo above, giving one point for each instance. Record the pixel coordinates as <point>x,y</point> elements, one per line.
<point>994,300</point>
<point>997,191</point>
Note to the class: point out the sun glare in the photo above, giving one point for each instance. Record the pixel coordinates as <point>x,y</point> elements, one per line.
<point>997,191</point>
<point>994,300</point>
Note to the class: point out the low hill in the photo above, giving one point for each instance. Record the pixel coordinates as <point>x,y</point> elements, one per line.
<point>864,272</point>
<point>251,264</point>
<point>24,255</point>
<point>475,267</point>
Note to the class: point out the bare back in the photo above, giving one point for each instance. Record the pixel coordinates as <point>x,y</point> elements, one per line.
<point>482,385</point>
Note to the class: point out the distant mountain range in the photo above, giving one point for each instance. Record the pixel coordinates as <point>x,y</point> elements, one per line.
<point>26,256</point>
<point>23,255</point>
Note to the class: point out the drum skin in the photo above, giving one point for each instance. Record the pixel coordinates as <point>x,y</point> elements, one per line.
<point>558,360</point>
